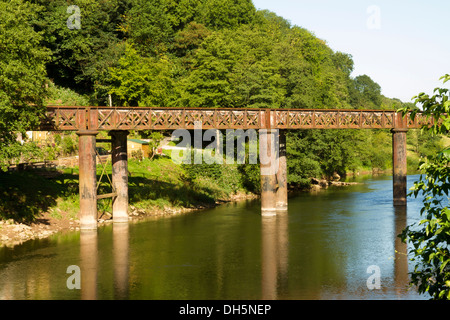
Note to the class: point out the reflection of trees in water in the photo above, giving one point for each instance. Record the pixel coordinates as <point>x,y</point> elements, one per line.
<point>19,280</point>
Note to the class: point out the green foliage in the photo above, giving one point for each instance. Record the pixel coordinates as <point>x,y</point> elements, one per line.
<point>301,167</point>
<point>153,25</point>
<point>65,97</point>
<point>187,53</point>
<point>430,238</point>
<point>436,107</point>
<point>226,14</point>
<point>142,81</point>
<point>365,92</point>
<point>227,177</point>
<point>24,196</point>
<point>229,71</point>
<point>185,185</point>
<point>148,26</point>
<point>266,64</point>
<point>68,145</point>
<point>424,142</point>
<point>375,151</point>
<point>22,76</point>
<point>250,177</point>
<point>321,153</point>
<point>186,41</point>
<point>81,57</point>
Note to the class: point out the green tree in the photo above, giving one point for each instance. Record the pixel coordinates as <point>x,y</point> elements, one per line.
<point>366,93</point>
<point>226,14</point>
<point>81,57</point>
<point>22,76</point>
<point>265,64</point>
<point>186,41</point>
<point>142,81</point>
<point>430,238</point>
<point>302,165</point>
<point>148,26</point>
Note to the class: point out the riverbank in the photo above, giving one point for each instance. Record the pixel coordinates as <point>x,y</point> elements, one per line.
<point>56,220</point>
<point>48,223</point>
<point>36,204</point>
<point>157,188</point>
<point>14,233</point>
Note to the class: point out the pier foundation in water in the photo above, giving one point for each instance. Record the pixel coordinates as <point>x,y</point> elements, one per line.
<point>87,180</point>
<point>399,166</point>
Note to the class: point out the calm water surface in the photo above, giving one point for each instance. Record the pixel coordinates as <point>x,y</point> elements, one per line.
<point>320,249</point>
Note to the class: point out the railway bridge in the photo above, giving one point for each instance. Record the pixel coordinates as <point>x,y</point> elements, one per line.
<point>272,123</point>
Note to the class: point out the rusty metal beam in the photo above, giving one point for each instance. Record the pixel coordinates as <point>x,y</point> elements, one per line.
<point>143,118</point>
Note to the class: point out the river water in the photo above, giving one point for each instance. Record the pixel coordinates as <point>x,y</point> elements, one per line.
<point>328,245</point>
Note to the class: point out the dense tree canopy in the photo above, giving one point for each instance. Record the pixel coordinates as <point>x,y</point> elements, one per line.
<point>22,75</point>
<point>207,53</point>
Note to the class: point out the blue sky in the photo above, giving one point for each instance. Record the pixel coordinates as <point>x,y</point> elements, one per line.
<point>402,45</point>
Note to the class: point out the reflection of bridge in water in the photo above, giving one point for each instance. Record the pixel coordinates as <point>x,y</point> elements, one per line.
<point>274,253</point>
<point>272,123</point>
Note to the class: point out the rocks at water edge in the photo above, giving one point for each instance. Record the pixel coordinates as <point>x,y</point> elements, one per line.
<point>13,233</point>
<point>317,184</point>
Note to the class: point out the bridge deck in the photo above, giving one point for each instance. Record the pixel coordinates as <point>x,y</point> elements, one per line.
<point>143,118</point>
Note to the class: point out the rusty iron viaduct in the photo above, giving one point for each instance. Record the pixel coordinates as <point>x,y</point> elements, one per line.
<point>88,121</point>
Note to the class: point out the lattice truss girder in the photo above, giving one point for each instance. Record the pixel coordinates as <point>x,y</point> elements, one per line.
<point>103,118</point>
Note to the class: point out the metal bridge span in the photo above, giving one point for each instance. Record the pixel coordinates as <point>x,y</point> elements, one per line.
<point>88,121</point>
<point>141,118</point>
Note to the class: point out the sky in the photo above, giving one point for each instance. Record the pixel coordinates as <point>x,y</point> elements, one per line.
<point>402,45</point>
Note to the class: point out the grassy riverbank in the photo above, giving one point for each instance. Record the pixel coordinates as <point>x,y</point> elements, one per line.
<point>35,204</point>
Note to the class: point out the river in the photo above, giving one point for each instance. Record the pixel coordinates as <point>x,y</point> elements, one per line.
<point>326,246</point>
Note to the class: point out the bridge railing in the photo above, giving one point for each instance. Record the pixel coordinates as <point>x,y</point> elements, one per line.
<point>142,118</point>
